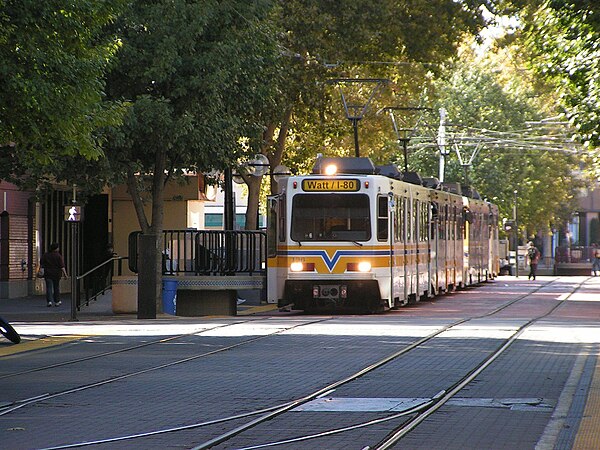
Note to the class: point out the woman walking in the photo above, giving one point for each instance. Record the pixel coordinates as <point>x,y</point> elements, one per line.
<point>54,268</point>
<point>533,256</point>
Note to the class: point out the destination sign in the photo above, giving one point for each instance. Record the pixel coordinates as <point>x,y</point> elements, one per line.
<point>336,184</point>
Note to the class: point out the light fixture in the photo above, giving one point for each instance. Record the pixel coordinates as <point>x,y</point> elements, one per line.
<point>331,169</point>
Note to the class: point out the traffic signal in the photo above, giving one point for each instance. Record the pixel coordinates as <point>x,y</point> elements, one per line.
<point>508,225</point>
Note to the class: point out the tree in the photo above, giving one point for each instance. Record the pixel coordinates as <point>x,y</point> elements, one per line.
<point>195,74</point>
<point>493,96</point>
<point>54,57</point>
<point>562,38</point>
<point>401,41</point>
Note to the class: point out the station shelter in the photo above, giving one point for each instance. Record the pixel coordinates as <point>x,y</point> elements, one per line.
<point>29,223</point>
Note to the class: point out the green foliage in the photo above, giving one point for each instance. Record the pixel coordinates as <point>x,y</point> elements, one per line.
<point>399,41</point>
<point>196,75</point>
<point>563,41</point>
<point>478,99</point>
<point>54,55</point>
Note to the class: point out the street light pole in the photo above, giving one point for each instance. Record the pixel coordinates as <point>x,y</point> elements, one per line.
<point>442,144</point>
<point>516,236</point>
<point>74,263</point>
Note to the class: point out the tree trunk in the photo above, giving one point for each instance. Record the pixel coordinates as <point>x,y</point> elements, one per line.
<point>150,245</point>
<point>252,210</point>
<point>275,157</point>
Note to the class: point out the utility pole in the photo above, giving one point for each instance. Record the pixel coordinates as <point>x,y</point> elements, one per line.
<point>402,134</point>
<point>516,236</point>
<point>356,110</point>
<point>442,143</point>
<point>73,215</point>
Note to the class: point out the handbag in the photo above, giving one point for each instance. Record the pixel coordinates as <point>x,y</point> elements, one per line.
<point>40,273</point>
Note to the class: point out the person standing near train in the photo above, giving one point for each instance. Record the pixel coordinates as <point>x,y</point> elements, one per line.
<point>595,260</point>
<point>533,256</point>
<point>54,268</point>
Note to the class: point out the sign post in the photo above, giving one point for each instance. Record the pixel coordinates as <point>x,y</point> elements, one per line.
<point>73,215</point>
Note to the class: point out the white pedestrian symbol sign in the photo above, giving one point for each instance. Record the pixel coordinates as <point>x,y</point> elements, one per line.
<point>73,213</point>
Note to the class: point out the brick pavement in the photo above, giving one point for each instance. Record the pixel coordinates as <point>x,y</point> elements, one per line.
<point>539,365</point>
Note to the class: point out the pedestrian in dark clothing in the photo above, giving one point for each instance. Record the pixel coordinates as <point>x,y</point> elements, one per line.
<point>108,268</point>
<point>595,259</point>
<point>533,255</point>
<point>54,269</point>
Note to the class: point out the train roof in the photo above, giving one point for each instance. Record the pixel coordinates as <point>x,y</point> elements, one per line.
<point>347,165</point>
<point>365,166</point>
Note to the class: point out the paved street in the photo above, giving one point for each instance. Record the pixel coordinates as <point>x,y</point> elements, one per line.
<point>112,381</point>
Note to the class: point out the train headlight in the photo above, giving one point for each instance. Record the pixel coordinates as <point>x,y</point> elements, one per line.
<point>331,169</point>
<point>364,266</point>
<point>298,266</point>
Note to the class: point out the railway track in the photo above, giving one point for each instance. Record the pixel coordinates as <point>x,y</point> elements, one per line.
<point>409,418</point>
<point>403,421</point>
<point>21,403</point>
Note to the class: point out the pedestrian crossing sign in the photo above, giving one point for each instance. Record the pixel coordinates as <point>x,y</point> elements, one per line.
<point>73,213</point>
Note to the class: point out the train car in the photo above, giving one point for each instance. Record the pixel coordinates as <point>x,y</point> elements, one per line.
<point>353,237</point>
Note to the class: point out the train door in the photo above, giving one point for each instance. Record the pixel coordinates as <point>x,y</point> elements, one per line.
<point>466,241</point>
<point>458,246</point>
<point>412,266</point>
<point>276,264</point>
<point>438,245</point>
<point>402,265</point>
<point>449,243</point>
<point>494,252</point>
<point>443,254</point>
<point>393,226</point>
<point>415,241</point>
<point>433,248</point>
<point>407,247</point>
<point>385,234</point>
<point>423,247</point>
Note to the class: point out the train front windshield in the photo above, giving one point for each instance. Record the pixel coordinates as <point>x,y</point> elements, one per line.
<point>331,217</point>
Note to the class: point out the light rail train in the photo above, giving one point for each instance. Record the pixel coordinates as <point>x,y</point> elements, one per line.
<point>355,237</point>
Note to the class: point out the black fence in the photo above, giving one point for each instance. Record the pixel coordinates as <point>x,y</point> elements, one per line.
<point>208,252</point>
<point>575,254</point>
<point>95,282</point>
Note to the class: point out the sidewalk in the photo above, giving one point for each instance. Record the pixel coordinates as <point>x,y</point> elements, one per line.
<point>34,309</point>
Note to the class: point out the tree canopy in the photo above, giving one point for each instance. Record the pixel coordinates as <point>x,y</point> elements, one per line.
<point>54,58</point>
<point>563,38</point>
<point>200,85</point>
<point>194,75</point>
<point>405,42</point>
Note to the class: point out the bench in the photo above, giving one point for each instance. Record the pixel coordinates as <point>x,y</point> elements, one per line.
<point>196,295</point>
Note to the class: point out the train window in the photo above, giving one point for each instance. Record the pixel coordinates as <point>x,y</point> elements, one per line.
<point>382,218</point>
<point>403,220</point>
<point>272,228</point>
<point>424,222</point>
<point>282,233</point>
<point>415,221</point>
<point>330,217</point>
<point>434,221</point>
<point>442,222</point>
<point>399,220</point>
<point>454,224</point>
<point>408,220</point>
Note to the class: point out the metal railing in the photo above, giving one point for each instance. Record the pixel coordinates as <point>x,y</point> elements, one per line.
<point>96,281</point>
<point>574,254</point>
<point>208,252</point>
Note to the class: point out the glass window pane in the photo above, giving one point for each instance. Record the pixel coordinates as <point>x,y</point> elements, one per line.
<point>331,217</point>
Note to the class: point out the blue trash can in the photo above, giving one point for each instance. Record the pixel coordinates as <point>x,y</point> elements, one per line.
<point>169,297</point>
